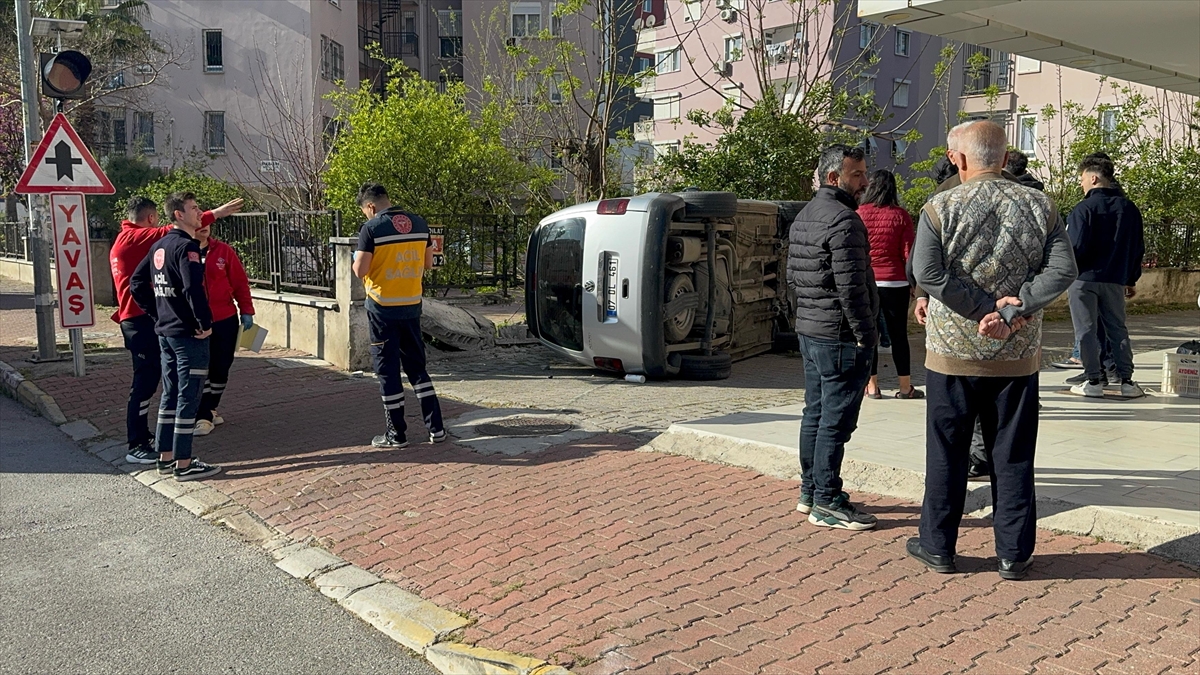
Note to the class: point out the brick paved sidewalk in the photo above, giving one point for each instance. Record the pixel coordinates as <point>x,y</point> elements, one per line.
<point>603,558</point>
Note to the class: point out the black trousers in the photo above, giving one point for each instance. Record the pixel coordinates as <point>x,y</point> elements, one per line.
<point>893,304</point>
<point>1007,408</point>
<point>397,344</point>
<point>142,344</point>
<point>221,346</point>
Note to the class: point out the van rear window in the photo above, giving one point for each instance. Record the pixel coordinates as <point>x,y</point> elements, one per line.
<point>560,283</point>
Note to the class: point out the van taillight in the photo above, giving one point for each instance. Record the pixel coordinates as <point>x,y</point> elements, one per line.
<point>609,364</point>
<point>612,207</point>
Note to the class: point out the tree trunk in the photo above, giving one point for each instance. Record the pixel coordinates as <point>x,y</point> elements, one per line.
<point>10,208</point>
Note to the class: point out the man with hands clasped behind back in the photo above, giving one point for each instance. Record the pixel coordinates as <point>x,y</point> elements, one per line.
<point>992,254</point>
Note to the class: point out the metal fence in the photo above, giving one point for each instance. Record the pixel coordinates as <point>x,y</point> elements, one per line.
<point>1172,245</point>
<point>285,250</point>
<point>481,250</point>
<point>12,240</point>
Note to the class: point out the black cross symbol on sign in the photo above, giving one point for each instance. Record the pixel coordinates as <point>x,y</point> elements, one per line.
<point>63,162</point>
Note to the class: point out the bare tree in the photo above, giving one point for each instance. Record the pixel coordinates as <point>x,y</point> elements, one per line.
<point>285,137</point>
<point>570,85</point>
<point>810,54</point>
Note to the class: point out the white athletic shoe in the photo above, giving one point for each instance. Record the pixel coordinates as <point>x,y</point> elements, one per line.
<point>1089,389</point>
<point>217,419</point>
<point>203,428</point>
<point>1130,389</point>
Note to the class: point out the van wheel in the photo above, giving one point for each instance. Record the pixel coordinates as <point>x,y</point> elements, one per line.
<point>680,324</point>
<point>785,341</point>
<point>700,204</point>
<point>719,366</point>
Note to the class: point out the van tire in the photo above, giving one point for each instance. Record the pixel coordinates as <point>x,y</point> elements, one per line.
<point>699,204</point>
<point>702,367</point>
<point>677,285</point>
<point>785,341</point>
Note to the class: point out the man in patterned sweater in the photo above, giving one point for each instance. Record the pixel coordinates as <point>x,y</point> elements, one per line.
<point>991,254</point>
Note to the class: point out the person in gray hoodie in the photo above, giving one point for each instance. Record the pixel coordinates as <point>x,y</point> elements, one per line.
<point>991,254</point>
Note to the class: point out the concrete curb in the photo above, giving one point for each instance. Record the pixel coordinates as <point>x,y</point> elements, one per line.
<point>411,621</point>
<point>1054,514</point>
<point>14,384</point>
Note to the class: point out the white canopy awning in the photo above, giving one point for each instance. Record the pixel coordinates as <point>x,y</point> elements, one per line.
<point>1154,42</point>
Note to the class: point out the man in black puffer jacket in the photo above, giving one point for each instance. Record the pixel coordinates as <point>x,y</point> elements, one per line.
<point>829,268</point>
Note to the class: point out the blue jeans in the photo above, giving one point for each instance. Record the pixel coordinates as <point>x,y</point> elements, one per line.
<point>184,369</point>
<point>835,374</point>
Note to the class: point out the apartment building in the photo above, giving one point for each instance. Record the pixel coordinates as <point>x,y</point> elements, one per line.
<point>426,35</point>
<point>1026,86</point>
<point>244,68</point>
<point>709,52</point>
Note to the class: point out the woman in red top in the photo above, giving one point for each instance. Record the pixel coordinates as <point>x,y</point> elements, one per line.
<point>891,233</point>
<point>225,282</point>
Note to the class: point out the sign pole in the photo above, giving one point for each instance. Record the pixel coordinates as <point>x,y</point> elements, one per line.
<point>39,250</point>
<point>77,351</point>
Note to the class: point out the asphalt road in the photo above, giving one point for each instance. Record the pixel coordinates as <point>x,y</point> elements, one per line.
<point>99,574</point>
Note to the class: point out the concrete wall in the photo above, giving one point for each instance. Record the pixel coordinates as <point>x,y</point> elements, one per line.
<point>1164,286</point>
<point>331,329</point>
<point>103,292</point>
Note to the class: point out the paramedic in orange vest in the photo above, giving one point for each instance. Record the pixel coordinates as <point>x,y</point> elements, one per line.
<point>138,233</point>
<point>226,283</point>
<point>394,250</point>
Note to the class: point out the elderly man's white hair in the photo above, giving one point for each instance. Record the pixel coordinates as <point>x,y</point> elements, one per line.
<point>983,142</point>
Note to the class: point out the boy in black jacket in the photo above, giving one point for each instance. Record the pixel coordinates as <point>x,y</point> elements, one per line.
<point>169,286</point>
<point>1106,233</point>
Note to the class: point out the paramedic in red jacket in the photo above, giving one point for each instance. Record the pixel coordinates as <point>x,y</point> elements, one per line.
<point>226,283</point>
<point>138,233</point>
<point>891,233</point>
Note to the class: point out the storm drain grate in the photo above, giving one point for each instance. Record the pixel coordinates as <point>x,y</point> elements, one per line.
<point>524,426</point>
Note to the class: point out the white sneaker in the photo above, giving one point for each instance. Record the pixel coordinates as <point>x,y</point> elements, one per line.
<point>203,428</point>
<point>217,419</point>
<point>1088,389</point>
<point>1130,389</point>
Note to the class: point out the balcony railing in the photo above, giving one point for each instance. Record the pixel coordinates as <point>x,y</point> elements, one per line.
<point>978,80</point>
<point>396,45</point>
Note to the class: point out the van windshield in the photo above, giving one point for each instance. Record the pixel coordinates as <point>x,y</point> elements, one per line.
<point>560,283</point>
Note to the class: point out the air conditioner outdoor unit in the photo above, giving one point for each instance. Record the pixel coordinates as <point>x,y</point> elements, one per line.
<point>649,21</point>
<point>723,68</point>
<point>512,42</point>
<point>729,15</point>
<point>724,4</point>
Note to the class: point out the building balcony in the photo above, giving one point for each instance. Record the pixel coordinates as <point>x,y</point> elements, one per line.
<point>978,80</point>
<point>982,105</point>
<point>643,131</point>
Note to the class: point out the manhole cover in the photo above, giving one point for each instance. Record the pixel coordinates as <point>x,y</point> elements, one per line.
<point>524,426</point>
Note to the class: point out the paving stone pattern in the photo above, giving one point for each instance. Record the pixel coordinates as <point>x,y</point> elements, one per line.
<point>604,558</point>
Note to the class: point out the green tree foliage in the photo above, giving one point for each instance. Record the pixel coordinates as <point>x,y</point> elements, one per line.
<point>917,184</point>
<point>210,192</point>
<point>764,154</point>
<point>432,154</point>
<point>129,175</point>
<point>1152,142</point>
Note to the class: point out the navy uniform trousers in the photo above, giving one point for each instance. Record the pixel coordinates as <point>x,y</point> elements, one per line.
<point>396,344</point>
<point>1007,408</point>
<point>142,344</point>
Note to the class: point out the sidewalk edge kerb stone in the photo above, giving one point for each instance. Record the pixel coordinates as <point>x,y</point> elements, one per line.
<point>407,618</point>
<point>28,394</point>
<point>1054,514</point>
